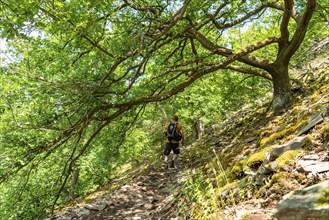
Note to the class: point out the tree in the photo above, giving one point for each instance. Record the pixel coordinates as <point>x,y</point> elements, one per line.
<point>78,66</point>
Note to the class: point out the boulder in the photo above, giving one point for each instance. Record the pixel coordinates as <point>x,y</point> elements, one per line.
<point>316,119</point>
<point>296,143</point>
<point>313,166</point>
<point>303,204</point>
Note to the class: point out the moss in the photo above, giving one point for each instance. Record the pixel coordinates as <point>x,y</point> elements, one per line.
<point>228,186</point>
<point>257,158</point>
<point>237,169</point>
<point>283,133</point>
<point>284,182</point>
<point>264,142</point>
<point>288,138</point>
<point>296,109</point>
<point>287,157</point>
<point>324,198</point>
<point>325,133</point>
<point>265,134</point>
<point>308,141</point>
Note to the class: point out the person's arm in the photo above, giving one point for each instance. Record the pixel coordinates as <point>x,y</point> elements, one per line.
<point>181,132</point>
<point>165,130</point>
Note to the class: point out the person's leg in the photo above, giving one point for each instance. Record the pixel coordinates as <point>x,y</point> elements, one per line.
<point>166,157</point>
<point>166,153</point>
<point>176,153</point>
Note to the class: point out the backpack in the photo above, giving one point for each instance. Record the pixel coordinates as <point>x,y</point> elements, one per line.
<point>173,132</point>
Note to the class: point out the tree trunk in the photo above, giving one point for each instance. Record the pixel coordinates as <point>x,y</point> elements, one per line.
<point>198,127</point>
<point>74,181</point>
<point>282,96</point>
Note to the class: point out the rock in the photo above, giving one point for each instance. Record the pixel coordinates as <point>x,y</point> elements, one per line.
<point>256,216</point>
<point>109,202</point>
<point>251,139</point>
<point>148,206</point>
<point>83,212</point>
<point>314,166</point>
<point>311,157</point>
<point>272,167</point>
<point>326,157</point>
<point>95,207</point>
<point>303,204</point>
<point>296,143</point>
<point>314,121</point>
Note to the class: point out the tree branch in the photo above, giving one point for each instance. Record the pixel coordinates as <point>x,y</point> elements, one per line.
<point>249,71</point>
<point>214,48</point>
<point>196,74</point>
<point>237,21</point>
<point>301,30</point>
<point>279,6</point>
<point>284,38</point>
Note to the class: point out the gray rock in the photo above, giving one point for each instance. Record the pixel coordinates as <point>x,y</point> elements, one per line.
<point>95,207</point>
<point>296,143</point>
<point>272,167</point>
<point>83,212</point>
<point>316,119</point>
<point>303,204</point>
<point>314,166</point>
<point>251,139</point>
<point>311,157</point>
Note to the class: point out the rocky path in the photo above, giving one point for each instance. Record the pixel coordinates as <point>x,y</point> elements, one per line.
<point>150,196</point>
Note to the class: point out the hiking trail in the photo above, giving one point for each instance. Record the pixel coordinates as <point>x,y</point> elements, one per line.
<point>150,196</point>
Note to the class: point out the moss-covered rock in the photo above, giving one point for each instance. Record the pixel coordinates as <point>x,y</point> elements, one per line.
<point>257,158</point>
<point>324,198</point>
<point>237,169</point>
<point>308,141</point>
<point>287,157</point>
<point>281,183</point>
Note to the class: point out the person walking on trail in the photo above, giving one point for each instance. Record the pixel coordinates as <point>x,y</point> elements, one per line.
<point>174,133</point>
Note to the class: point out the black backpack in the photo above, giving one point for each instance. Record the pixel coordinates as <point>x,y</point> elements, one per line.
<point>173,132</point>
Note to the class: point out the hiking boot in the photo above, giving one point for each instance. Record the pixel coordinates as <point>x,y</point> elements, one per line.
<point>172,164</point>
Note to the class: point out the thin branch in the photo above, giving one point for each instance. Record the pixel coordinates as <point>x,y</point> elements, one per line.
<point>141,8</point>
<point>248,15</point>
<point>280,6</point>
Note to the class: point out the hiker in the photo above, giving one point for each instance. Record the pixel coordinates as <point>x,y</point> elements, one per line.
<point>174,133</point>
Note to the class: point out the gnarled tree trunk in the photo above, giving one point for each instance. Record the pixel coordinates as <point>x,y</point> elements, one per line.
<point>282,96</point>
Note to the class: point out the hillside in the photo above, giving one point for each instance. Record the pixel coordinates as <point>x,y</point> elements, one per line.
<point>239,169</point>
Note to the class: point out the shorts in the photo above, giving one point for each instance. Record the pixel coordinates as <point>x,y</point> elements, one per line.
<point>171,146</point>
